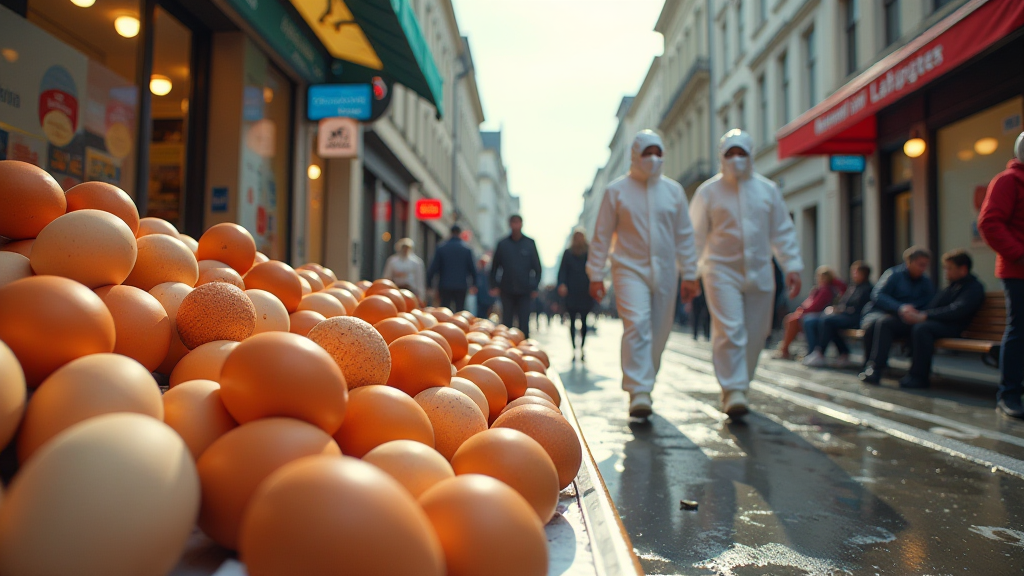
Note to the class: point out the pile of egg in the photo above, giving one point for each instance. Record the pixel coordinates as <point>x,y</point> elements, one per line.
<point>312,425</point>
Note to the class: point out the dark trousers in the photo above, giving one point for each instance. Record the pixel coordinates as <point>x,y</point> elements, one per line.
<point>1011,354</point>
<point>582,316</point>
<point>878,336</point>
<point>701,318</point>
<point>823,330</point>
<point>922,345</point>
<point>453,299</point>
<point>516,308</point>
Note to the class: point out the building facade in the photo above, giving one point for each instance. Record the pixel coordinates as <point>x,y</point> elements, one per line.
<point>495,204</point>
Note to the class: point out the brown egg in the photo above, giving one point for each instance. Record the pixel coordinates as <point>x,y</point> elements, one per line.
<point>500,342</point>
<point>533,364</point>
<point>391,294</point>
<point>116,494</point>
<point>490,384</point>
<point>373,309</point>
<point>321,273</point>
<point>228,243</point>
<point>441,341</point>
<point>511,374</point>
<point>23,247</point>
<point>470,389</point>
<point>305,286</point>
<point>379,414</point>
<point>279,279</point>
<point>358,349</point>
<point>411,301</point>
<point>488,352</point>
<point>516,356</point>
<point>553,432</point>
<point>412,319</point>
<point>418,363</point>
<point>345,297</point>
<point>260,258</point>
<point>515,459</point>
<point>303,321</point>
<point>381,284</point>
<point>271,315</point>
<point>49,321</point>
<point>460,364</point>
<point>478,338</point>
<point>205,265</point>
<point>441,314</point>
<point>364,285</point>
<point>486,527</point>
<point>471,349</point>
<point>191,242</point>
<point>283,374</point>
<point>97,195</point>
<point>531,351</point>
<point>535,393</point>
<point>203,363</point>
<point>170,295</point>
<point>456,338</point>
<point>325,304</point>
<point>163,258</point>
<point>86,387</point>
<point>216,311</point>
<point>426,320</point>
<point>233,466</point>
<point>461,322</point>
<point>140,322</point>
<point>89,246</point>
<point>226,275</point>
<point>31,199</point>
<point>394,328</point>
<point>151,225</point>
<point>524,400</point>
<point>416,467</point>
<point>454,416</point>
<point>12,396</point>
<point>13,266</point>
<point>352,288</point>
<point>195,411</point>
<point>326,515</point>
<point>540,381</point>
<point>315,284</point>
<point>516,336</point>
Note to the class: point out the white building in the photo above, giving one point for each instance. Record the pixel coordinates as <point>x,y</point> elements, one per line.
<point>494,202</point>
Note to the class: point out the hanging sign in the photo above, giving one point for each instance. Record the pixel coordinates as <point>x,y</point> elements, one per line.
<point>338,138</point>
<point>428,209</point>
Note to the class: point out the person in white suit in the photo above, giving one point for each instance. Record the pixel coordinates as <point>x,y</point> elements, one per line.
<point>644,225</point>
<point>739,221</point>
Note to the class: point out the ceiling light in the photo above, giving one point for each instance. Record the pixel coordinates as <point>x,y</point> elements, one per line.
<point>313,172</point>
<point>914,147</point>
<point>986,146</point>
<point>159,85</point>
<point>127,26</point>
<point>83,3</point>
<point>268,94</point>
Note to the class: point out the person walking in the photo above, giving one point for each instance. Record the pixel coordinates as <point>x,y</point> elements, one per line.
<point>455,269</point>
<point>574,288</point>
<point>515,275</point>
<point>739,220</point>
<point>648,217</point>
<point>406,269</point>
<point>1001,223</point>
<point>484,300</point>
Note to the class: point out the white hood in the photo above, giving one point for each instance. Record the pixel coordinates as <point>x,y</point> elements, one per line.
<point>1018,147</point>
<point>640,169</point>
<point>736,168</point>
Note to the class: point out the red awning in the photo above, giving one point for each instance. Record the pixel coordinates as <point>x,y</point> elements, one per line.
<point>844,123</point>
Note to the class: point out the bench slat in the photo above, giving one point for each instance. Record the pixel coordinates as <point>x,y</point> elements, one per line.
<point>966,345</point>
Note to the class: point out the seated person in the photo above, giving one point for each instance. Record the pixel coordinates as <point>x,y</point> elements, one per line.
<point>899,285</point>
<point>845,315</point>
<point>827,286</point>
<point>946,316</point>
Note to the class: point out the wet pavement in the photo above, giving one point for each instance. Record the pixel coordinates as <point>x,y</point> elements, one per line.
<point>827,476</point>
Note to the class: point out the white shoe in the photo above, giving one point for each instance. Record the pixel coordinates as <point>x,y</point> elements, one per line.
<point>814,360</point>
<point>734,403</point>
<point>640,405</point>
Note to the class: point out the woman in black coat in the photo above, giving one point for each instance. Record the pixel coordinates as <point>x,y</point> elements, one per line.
<point>574,286</point>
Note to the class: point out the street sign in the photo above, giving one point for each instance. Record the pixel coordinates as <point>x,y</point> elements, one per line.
<point>333,100</point>
<point>846,163</point>
<point>338,138</point>
<point>428,209</point>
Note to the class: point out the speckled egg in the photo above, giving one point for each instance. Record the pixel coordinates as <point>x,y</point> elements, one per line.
<point>358,349</point>
<point>92,247</point>
<point>216,311</point>
<point>454,416</point>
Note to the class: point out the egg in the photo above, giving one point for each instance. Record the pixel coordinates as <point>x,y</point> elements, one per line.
<point>97,195</point>
<point>441,314</point>
<point>140,322</point>
<point>359,351</point>
<point>115,494</point>
<point>226,275</point>
<point>216,311</point>
<point>470,350</point>
<point>89,386</point>
<point>381,284</point>
<point>31,199</point>
<point>191,242</point>
<point>305,286</point>
<point>540,381</point>
<point>441,341</point>
<point>315,284</point>
<point>517,356</point>
<point>150,225</point>
<point>195,411</point>
<point>303,321</point>
<point>49,321</point>
<point>515,459</point>
<point>13,266</point>
<point>511,374</point>
<point>170,295</point>
<point>12,396</point>
<point>271,315</point>
<point>325,515</point>
<point>279,279</point>
<point>470,389</point>
<point>163,258</point>
<point>535,352</point>
<point>23,247</point>
<point>228,243</point>
<point>205,265</point>
<point>92,247</point>
<point>426,320</point>
<point>454,417</point>
<point>233,466</point>
<point>524,400</point>
<point>412,319</point>
<point>551,431</point>
<point>418,363</point>
<point>391,294</point>
<point>345,297</point>
<point>535,393</point>
<point>490,384</point>
<point>533,364</point>
<point>378,414</point>
<point>478,338</point>
<point>488,352</point>
<point>364,285</point>
<point>373,309</point>
<point>411,301</point>
<point>486,527</point>
<point>321,273</point>
<point>283,374</point>
<point>393,328</point>
<point>415,466</point>
<point>456,338</point>
<point>260,258</point>
<point>203,363</point>
<point>325,304</point>
<point>352,288</point>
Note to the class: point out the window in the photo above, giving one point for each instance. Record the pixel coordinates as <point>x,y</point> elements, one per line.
<point>762,11</point>
<point>724,118</point>
<point>855,213</point>
<point>940,3</point>
<point>784,87</point>
<point>762,95</point>
<point>740,26</point>
<point>741,114</point>
<point>726,62</point>
<point>852,16</point>
<point>892,21</point>
<point>812,68</point>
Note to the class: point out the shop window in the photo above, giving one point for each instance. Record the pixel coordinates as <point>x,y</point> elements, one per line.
<point>897,207</point>
<point>855,215</point>
<point>903,234</point>
<point>901,167</point>
<point>850,29</point>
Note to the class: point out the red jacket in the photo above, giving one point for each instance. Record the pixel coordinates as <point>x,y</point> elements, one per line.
<point>821,298</point>
<point>1001,221</point>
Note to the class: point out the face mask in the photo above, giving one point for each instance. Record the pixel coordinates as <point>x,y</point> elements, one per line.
<point>737,167</point>
<point>652,165</point>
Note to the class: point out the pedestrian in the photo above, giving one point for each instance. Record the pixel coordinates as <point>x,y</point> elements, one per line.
<point>515,276</point>
<point>455,269</point>
<point>843,316</point>
<point>647,215</point>
<point>406,269</point>
<point>827,286</point>
<point>574,288</point>
<point>484,300</point>
<point>739,220</point>
<point>1001,224</point>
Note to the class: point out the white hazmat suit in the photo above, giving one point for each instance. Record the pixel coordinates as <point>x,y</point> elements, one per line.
<point>644,224</point>
<point>739,219</point>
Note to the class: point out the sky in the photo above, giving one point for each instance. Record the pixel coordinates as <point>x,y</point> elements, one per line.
<point>551,74</point>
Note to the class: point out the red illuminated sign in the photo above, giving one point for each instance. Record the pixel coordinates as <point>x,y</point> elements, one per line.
<point>428,209</point>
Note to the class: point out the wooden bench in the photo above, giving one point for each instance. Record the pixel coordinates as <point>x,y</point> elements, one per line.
<point>983,336</point>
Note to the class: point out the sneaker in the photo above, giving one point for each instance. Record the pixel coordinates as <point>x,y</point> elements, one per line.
<point>640,405</point>
<point>1011,406</point>
<point>734,403</point>
<point>814,360</point>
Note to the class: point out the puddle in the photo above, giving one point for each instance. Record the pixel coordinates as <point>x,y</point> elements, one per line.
<point>772,554</point>
<point>880,536</point>
<point>999,534</point>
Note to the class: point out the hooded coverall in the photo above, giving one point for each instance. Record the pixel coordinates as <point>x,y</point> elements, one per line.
<point>644,223</point>
<point>739,219</point>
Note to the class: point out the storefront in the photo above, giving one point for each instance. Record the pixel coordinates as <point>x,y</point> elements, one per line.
<point>936,120</point>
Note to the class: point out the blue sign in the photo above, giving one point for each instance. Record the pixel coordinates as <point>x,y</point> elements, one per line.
<point>846,163</point>
<point>339,100</point>
<point>219,200</point>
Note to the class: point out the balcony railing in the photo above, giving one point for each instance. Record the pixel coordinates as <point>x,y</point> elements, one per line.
<point>702,65</point>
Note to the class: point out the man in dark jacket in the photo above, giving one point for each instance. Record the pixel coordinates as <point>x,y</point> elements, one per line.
<point>900,286</point>
<point>823,329</point>
<point>946,316</point>
<point>453,263</point>
<point>1001,224</point>
<point>515,275</point>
